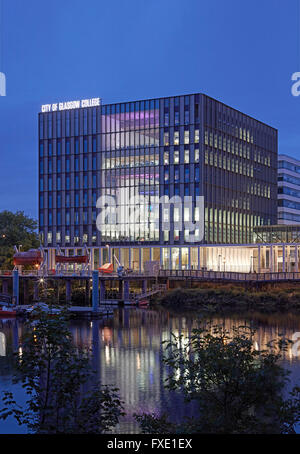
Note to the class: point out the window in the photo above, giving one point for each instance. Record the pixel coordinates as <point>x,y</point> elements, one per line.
<point>166,138</point>
<point>196,135</point>
<point>85,163</point>
<point>67,200</point>
<point>166,175</point>
<point>176,157</point>
<point>186,137</point>
<point>76,146</point>
<point>176,137</point>
<point>186,156</point>
<point>186,174</point>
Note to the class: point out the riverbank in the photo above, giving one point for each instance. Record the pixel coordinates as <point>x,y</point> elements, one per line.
<point>231,298</point>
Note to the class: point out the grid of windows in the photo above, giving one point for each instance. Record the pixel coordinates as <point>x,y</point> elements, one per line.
<point>186,145</point>
<point>288,190</point>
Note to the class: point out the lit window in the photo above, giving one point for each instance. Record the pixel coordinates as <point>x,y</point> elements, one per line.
<point>186,137</point>
<point>166,138</point>
<point>186,156</point>
<point>176,137</point>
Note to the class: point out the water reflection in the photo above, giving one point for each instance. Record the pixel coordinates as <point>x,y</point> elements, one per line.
<point>127,352</point>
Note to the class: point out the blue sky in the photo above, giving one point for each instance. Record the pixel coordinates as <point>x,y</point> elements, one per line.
<point>242,53</point>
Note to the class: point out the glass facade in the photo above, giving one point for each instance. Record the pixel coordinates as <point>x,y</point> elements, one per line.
<point>181,146</point>
<point>288,190</point>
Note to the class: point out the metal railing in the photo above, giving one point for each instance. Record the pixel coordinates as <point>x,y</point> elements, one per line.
<point>181,274</point>
<point>230,275</point>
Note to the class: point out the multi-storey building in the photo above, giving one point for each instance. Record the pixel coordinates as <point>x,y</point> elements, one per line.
<point>288,190</point>
<point>180,146</point>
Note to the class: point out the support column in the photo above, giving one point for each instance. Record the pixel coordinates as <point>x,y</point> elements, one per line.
<point>140,260</point>
<point>102,290</point>
<point>87,292</point>
<point>25,290</point>
<point>95,291</point>
<point>144,286</point>
<point>120,288</point>
<point>92,255</point>
<point>126,290</point>
<point>271,259</point>
<point>296,259</point>
<point>16,286</point>
<point>129,258</point>
<point>5,286</point>
<point>68,290</point>
<point>35,291</point>
<point>259,257</point>
<point>283,258</point>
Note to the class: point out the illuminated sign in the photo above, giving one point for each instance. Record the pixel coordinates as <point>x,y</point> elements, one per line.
<point>93,102</point>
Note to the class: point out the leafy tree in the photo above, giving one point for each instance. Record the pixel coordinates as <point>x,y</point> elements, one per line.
<point>55,374</point>
<point>238,389</point>
<point>16,228</point>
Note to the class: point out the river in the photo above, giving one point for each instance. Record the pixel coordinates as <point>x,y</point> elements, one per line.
<point>127,352</point>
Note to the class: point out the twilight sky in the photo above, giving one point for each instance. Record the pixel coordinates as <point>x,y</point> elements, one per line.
<point>242,53</point>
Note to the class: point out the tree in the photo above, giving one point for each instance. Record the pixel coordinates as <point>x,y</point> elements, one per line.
<point>15,229</point>
<point>238,389</point>
<point>53,373</point>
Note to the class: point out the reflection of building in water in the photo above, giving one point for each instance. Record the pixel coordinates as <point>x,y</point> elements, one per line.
<point>9,339</point>
<point>127,352</point>
<point>2,344</point>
